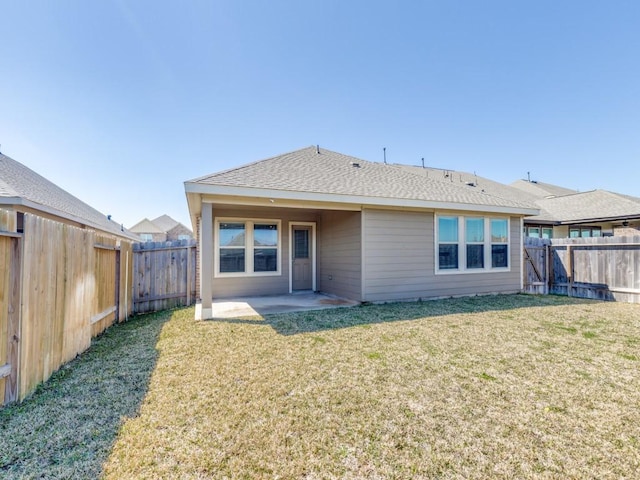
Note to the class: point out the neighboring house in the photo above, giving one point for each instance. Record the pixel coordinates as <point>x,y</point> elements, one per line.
<point>563,212</point>
<point>568,213</point>
<point>319,220</point>
<point>148,231</point>
<point>175,230</point>
<point>24,191</point>
<point>161,229</point>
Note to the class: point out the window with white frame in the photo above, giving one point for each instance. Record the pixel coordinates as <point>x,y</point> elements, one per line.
<point>247,247</point>
<point>499,243</point>
<point>471,244</point>
<point>146,237</point>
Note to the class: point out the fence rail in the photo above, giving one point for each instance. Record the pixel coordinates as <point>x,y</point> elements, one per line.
<point>606,268</point>
<point>164,275</point>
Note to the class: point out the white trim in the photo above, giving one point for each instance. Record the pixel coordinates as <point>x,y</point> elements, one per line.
<point>353,199</point>
<point>248,246</point>
<point>522,235</point>
<point>363,263</point>
<point>462,243</point>
<point>313,253</point>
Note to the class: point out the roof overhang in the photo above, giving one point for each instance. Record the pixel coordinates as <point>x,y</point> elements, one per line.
<point>28,204</point>
<point>197,193</point>
<point>618,218</point>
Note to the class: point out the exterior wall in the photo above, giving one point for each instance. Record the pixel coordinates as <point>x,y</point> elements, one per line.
<point>560,231</point>
<point>155,237</point>
<point>399,260</point>
<point>340,254</point>
<point>224,287</point>
<point>178,230</point>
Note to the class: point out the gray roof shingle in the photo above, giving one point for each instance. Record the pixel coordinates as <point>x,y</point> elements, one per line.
<point>541,189</point>
<point>596,204</point>
<point>330,172</point>
<point>21,183</point>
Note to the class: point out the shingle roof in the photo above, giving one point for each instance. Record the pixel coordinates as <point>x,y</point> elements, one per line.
<point>593,205</point>
<point>165,222</point>
<point>18,183</point>
<point>541,189</point>
<point>329,172</point>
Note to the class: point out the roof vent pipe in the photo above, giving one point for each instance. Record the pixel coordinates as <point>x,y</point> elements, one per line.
<point>384,154</point>
<point>318,149</point>
<point>422,162</point>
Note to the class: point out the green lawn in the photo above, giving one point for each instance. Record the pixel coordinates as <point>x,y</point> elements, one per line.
<point>487,387</point>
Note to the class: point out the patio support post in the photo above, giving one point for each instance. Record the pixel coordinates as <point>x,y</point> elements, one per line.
<point>206,260</point>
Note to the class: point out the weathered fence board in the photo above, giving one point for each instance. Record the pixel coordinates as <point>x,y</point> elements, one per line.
<point>605,268</point>
<point>164,275</point>
<point>54,280</point>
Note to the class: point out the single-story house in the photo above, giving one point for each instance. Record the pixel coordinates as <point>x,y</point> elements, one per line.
<point>569,213</point>
<point>318,220</point>
<point>161,229</point>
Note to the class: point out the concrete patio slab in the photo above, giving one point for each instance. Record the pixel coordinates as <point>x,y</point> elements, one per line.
<point>264,305</point>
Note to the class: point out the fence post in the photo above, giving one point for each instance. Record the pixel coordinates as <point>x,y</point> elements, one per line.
<point>547,268</point>
<point>117,318</point>
<point>569,270</point>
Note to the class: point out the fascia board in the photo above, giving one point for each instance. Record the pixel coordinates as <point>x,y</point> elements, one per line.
<point>352,199</point>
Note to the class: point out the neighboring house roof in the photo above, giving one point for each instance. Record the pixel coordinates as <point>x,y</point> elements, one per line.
<point>162,224</point>
<point>20,185</point>
<point>322,175</point>
<point>540,189</point>
<point>165,222</point>
<point>146,226</point>
<point>593,206</point>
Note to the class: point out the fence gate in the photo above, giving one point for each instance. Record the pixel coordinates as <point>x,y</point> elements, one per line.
<point>536,266</point>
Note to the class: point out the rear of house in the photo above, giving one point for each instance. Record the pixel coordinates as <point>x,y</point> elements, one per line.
<point>316,220</point>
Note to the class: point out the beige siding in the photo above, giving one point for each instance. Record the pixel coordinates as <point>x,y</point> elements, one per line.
<point>399,255</point>
<point>224,287</point>
<point>340,257</point>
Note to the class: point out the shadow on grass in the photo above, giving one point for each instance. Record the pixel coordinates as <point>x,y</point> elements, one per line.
<point>362,315</point>
<point>67,427</point>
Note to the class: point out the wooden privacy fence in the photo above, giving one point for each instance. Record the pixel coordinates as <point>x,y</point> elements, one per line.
<point>60,287</point>
<point>604,268</point>
<point>164,275</point>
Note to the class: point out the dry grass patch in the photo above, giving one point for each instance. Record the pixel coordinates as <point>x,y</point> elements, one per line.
<point>487,387</point>
<point>500,387</point>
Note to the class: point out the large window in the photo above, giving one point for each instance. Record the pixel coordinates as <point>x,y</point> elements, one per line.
<point>248,247</point>
<point>468,244</point>
<point>584,232</point>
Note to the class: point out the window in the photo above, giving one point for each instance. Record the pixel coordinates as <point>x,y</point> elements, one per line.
<point>539,232</point>
<point>475,242</point>
<point>146,237</point>
<point>499,243</point>
<point>467,244</point>
<point>184,237</point>
<point>248,247</point>
<point>585,232</point>
<point>448,242</point>
<point>533,232</point>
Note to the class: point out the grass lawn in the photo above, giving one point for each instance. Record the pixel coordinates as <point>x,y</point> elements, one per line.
<point>510,386</point>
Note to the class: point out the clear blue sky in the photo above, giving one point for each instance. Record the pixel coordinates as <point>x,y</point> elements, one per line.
<point>120,101</point>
